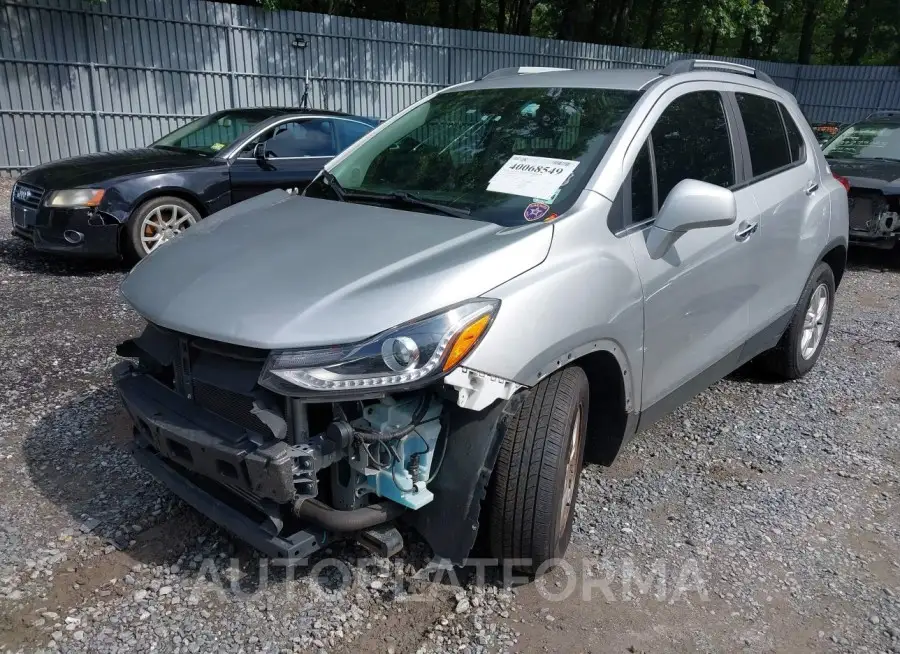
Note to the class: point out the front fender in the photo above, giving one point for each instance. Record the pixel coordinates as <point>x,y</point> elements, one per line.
<point>585,297</point>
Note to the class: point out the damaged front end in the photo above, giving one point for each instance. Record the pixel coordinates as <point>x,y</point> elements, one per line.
<point>240,434</point>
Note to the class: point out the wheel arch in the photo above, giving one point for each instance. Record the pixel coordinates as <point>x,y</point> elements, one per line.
<point>609,405</point>
<point>172,191</point>
<point>836,258</point>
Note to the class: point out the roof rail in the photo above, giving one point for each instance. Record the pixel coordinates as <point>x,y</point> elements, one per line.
<point>518,70</point>
<point>886,113</point>
<point>687,65</point>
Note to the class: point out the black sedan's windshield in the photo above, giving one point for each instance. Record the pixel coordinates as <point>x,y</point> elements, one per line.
<point>212,133</point>
<point>506,156</point>
<point>866,141</point>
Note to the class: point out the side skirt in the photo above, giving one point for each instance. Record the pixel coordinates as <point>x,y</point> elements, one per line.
<point>756,345</point>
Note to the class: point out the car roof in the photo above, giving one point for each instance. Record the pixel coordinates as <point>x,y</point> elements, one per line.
<point>263,113</point>
<point>892,120</point>
<point>632,79</point>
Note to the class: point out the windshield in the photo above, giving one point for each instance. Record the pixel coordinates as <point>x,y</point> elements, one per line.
<point>506,156</point>
<point>212,133</point>
<point>866,141</point>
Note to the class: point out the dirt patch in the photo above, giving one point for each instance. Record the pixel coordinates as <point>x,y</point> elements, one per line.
<point>76,582</point>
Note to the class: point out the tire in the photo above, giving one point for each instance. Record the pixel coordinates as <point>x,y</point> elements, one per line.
<point>788,360</point>
<point>169,208</point>
<point>526,516</point>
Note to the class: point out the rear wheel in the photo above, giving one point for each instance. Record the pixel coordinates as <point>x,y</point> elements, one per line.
<point>155,222</point>
<point>535,484</point>
<point>802,342</point>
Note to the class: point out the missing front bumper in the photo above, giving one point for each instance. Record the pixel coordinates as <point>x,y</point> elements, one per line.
<point>300,544</point>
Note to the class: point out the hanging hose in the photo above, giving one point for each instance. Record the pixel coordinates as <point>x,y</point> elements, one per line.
<point>332,519</point>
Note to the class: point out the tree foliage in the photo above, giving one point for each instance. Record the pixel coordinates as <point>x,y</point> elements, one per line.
<point>805,31</point>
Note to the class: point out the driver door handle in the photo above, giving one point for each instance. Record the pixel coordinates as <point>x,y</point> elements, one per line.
<point>745,231</point>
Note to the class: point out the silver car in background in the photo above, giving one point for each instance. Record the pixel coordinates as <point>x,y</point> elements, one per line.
<point>509,277</point>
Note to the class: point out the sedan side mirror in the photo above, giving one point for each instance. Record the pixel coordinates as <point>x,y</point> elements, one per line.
<point>259,151</point>
<point>691,204</point>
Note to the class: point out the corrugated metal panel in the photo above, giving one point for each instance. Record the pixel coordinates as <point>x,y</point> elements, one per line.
<point>77,78</point>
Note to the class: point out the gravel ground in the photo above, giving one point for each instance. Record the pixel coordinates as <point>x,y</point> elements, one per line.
<point>760,517</point>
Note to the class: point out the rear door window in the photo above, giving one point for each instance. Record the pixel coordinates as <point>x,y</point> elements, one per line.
<point>766,136</point>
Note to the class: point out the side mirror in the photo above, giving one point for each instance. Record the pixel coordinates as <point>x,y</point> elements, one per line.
<point>691,204</point>
<point>259,151</point>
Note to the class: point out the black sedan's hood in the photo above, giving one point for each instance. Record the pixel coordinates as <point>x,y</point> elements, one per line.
<point>879,174</point>
<point>98,168</point>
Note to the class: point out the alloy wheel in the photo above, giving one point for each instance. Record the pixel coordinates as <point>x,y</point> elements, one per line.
<point>814,322</point>
<point>163,224</point>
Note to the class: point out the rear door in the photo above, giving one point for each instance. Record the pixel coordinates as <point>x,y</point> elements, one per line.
<point>784,179</point>
<point>295,152</point>
<point>696,297</point>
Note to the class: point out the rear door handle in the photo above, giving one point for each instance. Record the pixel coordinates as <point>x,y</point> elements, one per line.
<point>811,187</point>
<point>744,232</point>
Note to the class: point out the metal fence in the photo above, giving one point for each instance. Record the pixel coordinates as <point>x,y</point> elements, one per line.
<point>77,78</point>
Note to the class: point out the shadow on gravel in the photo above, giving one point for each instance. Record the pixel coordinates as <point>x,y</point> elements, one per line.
<point>16,254</point>
<point>78,459</point>
<point>865,258</point>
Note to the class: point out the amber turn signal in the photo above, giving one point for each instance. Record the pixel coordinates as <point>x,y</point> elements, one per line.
<point>465,342</point>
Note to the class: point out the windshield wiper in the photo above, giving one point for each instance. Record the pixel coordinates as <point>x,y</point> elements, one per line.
<point>407,198</point>
<point>345,195</point>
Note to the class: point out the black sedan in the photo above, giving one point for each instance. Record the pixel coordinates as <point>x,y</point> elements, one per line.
<point>126,203</point>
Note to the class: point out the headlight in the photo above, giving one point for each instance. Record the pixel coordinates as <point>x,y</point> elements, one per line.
<point>76,197</point>
<point>408,355</point>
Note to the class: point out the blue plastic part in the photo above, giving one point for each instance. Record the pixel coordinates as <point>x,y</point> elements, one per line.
<point>396,483</point>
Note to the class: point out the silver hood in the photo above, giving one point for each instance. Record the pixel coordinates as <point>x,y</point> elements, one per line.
<point>281,271</point>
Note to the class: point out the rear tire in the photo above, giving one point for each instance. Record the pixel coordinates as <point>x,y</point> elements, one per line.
<point>159,209</point>
<point>531,501</point>
<point>796,354</point>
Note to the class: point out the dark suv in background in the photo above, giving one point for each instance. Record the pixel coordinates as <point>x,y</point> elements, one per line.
<point>865,156</point>
<point>126,203</point>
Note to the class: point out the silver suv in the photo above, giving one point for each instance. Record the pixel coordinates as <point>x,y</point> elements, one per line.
<point>509,277</point>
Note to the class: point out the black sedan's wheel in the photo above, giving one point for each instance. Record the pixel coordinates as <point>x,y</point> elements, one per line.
<point>156,222</point>
<point>535,485</point>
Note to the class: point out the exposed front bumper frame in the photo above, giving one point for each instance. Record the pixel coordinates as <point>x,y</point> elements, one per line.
<point>168,429</point>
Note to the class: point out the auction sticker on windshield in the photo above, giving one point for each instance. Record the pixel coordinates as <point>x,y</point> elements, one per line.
<point>538,177</point>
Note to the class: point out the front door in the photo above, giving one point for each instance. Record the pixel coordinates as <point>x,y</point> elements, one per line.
<point>697,296</point>
<point>291,155</point>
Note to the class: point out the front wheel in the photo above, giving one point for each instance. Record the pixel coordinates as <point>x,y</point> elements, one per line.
<point>531,501</point>
<point>155,222</point>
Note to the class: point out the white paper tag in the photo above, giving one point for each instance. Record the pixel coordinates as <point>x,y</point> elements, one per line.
<point>533,177</point>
